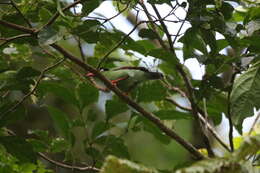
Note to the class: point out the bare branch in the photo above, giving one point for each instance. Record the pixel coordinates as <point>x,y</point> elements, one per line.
<point>254,123</point>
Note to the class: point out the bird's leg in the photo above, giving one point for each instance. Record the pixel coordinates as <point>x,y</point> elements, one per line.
<point>114,82</point>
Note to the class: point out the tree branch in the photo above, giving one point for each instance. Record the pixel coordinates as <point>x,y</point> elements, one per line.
<point>63,165</point>
<point>179,68</point>
<point>17,27</point>
<point>177,104</point>
<point>169,132</point>
<point>7,40</point>
<point>254,123</point>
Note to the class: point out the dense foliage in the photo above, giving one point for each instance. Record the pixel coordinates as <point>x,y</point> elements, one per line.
<point>53,115</point>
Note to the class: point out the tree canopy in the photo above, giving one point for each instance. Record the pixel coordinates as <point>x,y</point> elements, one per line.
<point>62,110</point>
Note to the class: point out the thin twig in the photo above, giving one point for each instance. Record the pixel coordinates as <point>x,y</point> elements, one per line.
<point>180,69</point>
<point>177,104</point>
<point>169,132</point>
<point>7,40</point>
<point>163,26</point>
<point>19,11</point>
<point>119,12</point>
<point>103,59</point>
<point>178,32</point>
<point>161,42</point>
<point>17,27</point>
<point>213,132</point>
<point>63,165</point>
<point>57,14</point>
<point>13,108</point>
<point>254,123</point>
<point>172,88</point>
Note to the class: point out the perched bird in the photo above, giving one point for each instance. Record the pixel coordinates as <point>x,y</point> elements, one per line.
<point>127,78</point>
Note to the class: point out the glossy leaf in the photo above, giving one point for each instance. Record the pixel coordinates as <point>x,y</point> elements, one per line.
<point>60,120</point>
<point>59,91</point>
<point>89,6</point>
<point>163,55</point>
<point>115,107</point>
<point>245,95</point>
<point>151,91</point>
<point>9,115</point>
<point>86,94</point>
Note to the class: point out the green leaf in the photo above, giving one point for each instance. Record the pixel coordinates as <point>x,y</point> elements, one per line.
<point>148,33</point>
<point>89,6</point>
<point>227,10</point>
<point>58,90</point>
<point>210,39</point>
<point>59,9</point>
<point>192,40</point>
<point>38,145</point>
<point>163,55</point>
<point>87,25</point>
<point>151,91</point>
<point>116,146</point>
<point>249,147</point>
<point>155,131</point>
<point>216,105</point>
<point>172,115</point>
<point>59,145</point>
<point>48,35</point>
<point>27,72</point>
<point>115,107</point>
<point>221,44</point>
<point>98,129</point>
<point>146,44</point>
<point>19,148</point>
<point>11,117</point>
<point>90,37</point>
<point>115,165</point>
<point>44,15</point>
<point>86,94</point>
<point>245,95</point>
<point>61,121</point>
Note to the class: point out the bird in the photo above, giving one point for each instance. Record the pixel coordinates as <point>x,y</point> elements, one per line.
<point>126,78</point>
